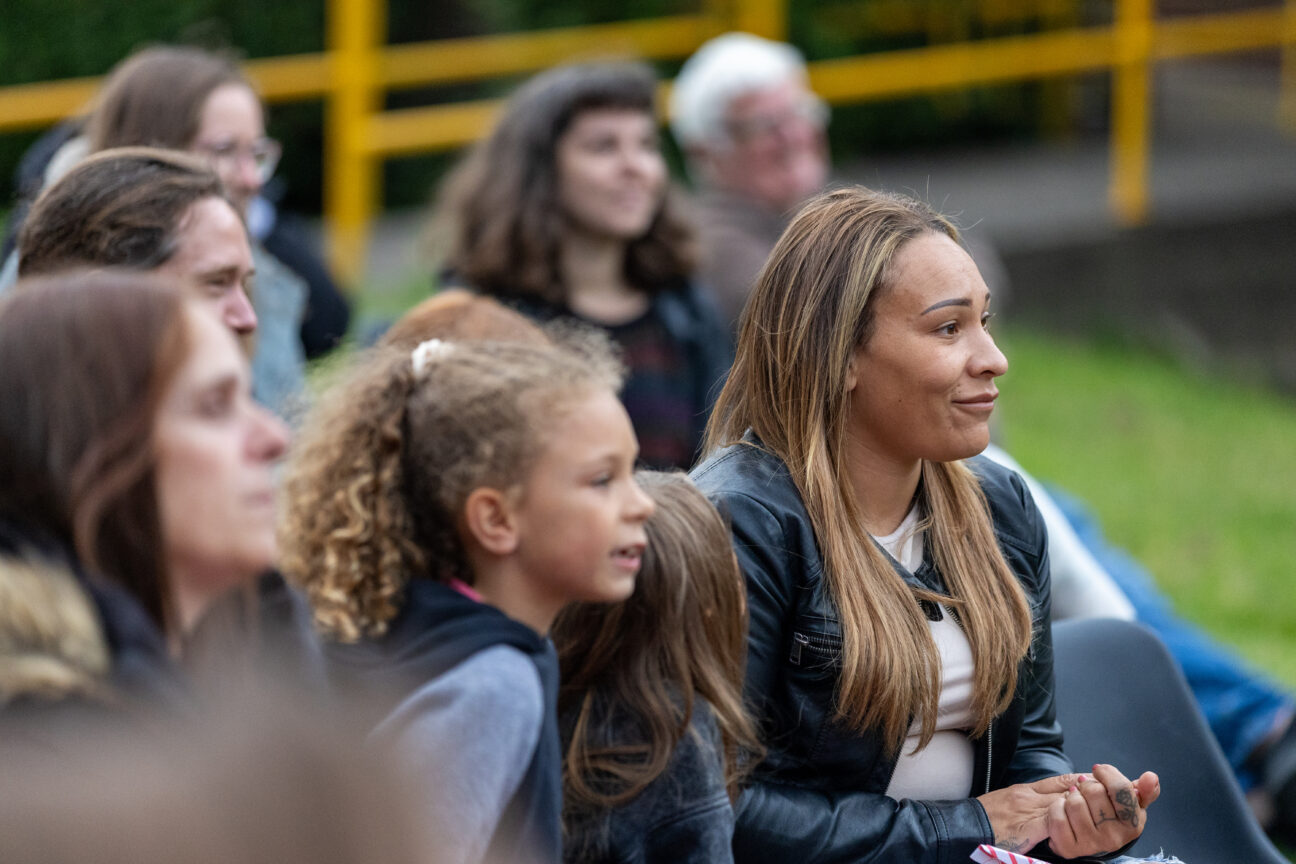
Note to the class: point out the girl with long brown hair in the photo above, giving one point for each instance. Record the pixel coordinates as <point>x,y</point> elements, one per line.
<point>564,211</point>
<point>899,659</point>
<point>651,705</point>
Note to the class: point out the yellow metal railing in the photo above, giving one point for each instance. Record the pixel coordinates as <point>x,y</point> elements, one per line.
<point>357,70</point>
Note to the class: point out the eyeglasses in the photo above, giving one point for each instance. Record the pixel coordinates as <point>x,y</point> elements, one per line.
<point>264,153</point>
<point>808,109</point>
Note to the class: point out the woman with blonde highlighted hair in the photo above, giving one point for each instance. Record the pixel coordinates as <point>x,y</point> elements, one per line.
<point>899,656</point>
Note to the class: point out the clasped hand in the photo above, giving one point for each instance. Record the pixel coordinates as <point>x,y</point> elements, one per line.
<point>1079,814</point>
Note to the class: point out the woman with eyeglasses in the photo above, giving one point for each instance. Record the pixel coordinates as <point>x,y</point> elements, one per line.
<point>189,99</point>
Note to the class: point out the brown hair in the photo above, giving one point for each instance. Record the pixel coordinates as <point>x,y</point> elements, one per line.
<point>500,206</point>
<point>681,635</point>
<point>454,313</point>
<point>155,97</point>
<point>811,308</point>
<point>85,359</point>
<point>120,208</point>
<point>384,464</point>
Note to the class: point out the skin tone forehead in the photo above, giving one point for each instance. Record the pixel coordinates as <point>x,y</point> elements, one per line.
<point>570,421</point>
<point>779,95</point>
<point>931,272</point>
<point>213,239</point>
<point>603,121</point>
<point>231,112</point>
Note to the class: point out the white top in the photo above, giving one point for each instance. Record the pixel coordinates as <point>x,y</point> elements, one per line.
<point>1082,588</point>
<point>943,769</point>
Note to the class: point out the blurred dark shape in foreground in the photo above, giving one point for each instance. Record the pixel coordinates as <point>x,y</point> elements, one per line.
<point>253,780</point>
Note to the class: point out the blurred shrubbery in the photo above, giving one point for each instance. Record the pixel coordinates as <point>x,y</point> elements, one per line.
<point>50,39</point>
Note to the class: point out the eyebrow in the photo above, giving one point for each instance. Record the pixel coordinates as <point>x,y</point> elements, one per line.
<point>227,271</point>
<point>953,301</point>
<point>220,270</point>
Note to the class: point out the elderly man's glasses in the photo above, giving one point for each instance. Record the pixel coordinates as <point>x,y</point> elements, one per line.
<point>808,109</point>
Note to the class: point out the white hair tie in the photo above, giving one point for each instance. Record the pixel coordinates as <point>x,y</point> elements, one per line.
<point>428,352</point>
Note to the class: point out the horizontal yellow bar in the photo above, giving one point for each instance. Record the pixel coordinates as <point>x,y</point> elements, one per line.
<point>486,56</point>
<point>443,127</point>
<point>287,79</point>
<point>307,76</point>
<point>280,79</point>
<point>423,130</point>
<point>1217,34</point>
<point>26,105</point>
<point>917,70</point>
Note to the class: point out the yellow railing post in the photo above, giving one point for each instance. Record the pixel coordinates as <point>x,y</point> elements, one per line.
<point>356,31</point>
<point>1131,125</point>
<point>766,18</point>
<point>1287,85</point>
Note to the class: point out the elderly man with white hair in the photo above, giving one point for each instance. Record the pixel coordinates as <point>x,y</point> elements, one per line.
<point>753,133</point>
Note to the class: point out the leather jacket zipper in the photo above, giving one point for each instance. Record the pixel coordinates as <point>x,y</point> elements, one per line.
<point>989,753</point>
<point>825,645</point>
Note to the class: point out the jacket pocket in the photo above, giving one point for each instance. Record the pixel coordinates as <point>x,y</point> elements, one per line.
<point>816,652</point>
<point>834,752</point>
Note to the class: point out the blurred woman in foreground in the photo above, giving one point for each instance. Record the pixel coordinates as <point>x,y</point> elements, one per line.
<point>135,481</point>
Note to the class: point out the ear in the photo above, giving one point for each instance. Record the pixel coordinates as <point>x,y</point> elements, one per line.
<point>491,520</point>
<point>852,372</point>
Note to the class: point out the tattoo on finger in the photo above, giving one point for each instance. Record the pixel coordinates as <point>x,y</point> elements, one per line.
<point>1127,811</point>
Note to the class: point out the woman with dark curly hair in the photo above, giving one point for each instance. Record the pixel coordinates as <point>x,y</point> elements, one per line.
<point>565,211</point>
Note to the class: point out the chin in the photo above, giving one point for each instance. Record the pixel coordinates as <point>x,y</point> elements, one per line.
<point>619,592</point>
<point>258,561</point>
<point>628,230</point>
<point>970,450</point>
<point>957,452</point>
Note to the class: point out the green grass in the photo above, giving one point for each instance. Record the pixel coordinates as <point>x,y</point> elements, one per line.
<point>1192,474</point>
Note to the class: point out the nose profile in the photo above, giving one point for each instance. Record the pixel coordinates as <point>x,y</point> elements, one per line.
<point>642,505</point>
<point>249,174</point>
<point>237,313</point>
<point>269,437</point>
<point>989,359</point>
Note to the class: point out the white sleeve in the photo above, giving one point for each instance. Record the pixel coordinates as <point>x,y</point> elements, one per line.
<point>1081,587</point>
<point>463,743</point>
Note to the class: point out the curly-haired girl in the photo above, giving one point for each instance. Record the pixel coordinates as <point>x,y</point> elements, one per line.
<point>651,704</point>
<point>443,506</point>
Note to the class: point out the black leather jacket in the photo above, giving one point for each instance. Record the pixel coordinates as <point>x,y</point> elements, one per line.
<point>819,796</point>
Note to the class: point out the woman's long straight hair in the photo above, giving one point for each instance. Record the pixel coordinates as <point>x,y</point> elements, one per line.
<point>86,358</point>
<point>811,309</point>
